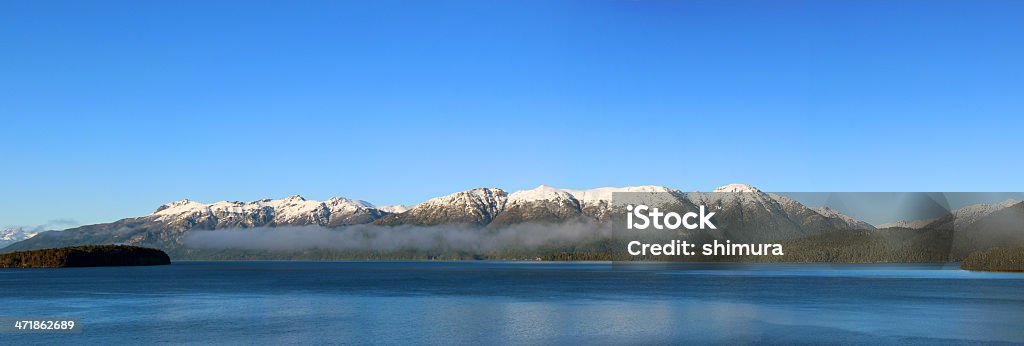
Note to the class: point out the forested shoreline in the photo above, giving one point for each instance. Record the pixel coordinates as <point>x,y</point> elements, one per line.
<point>85,256</point>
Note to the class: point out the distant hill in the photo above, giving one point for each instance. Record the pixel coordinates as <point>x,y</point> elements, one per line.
<point>957,219</point>
<point>974,228</point>
<point>1000,228</point>
<point>85,256</point>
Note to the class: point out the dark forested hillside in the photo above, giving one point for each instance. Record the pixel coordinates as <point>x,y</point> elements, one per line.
<point>893,245</point>
<point>997,259</point>
<point>85,256</point>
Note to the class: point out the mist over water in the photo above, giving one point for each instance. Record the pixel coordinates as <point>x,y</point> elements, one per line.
<point>388,238</point>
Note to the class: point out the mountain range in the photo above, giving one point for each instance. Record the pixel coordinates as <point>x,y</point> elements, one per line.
<point>744,213</point>
<point>958,219</point>
<point>483,207</point>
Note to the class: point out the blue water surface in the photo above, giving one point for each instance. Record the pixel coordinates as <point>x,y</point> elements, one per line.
<point>485,302</point>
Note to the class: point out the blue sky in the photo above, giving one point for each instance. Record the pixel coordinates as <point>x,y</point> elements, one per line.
<point>111,108</point>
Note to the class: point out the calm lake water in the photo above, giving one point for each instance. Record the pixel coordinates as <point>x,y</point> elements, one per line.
<point>513,303</point>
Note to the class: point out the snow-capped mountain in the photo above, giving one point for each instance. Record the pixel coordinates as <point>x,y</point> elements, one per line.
<point>805,217</point>
<point>956,220</point>
<point>474,207</point>
<point>293,210</point>
<point>999,227</point>
<point>551,204</point>
<point>14,235</point>
<point>166,226</point>
<point>395,209</point>
<point>975,227</point>
<point>853,222</point>
<point>749,214</point>
<point>737,188</point>
<point>544,203</point>
<point>744,211</point>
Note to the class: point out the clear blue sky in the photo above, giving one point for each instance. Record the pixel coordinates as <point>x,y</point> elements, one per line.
<point>111,108</point>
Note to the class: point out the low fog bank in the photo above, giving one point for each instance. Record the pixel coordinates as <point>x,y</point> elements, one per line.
<point>390,238</point>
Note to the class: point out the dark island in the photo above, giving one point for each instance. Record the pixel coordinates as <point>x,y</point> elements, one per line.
<point>85,256</point>
<point>996,259</point>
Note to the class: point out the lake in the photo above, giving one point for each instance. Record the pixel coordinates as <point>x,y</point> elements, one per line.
<point>409,302</point>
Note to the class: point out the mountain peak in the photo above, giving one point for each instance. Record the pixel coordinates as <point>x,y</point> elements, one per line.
<point>291,210</point>
<point>13,235</point>
<point>737,188</point>
<point>961,218</point>
<point>342,202</point>
<point>478,194</point>
<point>395,209</point>
<point>604,194</point>
<point>176,204</point>
<point>477,206</point>
<point>542,192</point>
<point>828,212</point>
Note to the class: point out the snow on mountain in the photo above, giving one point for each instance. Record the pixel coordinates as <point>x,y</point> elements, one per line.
<point>742,206</point>
<point>292,210</point>
<point>961,218</point>
<point>480,206</point>
<point>585,197</point>
<point>551,204</point>
<point>737,188</point>
<point>742,194</point>
<point>395,209</point>
<point>477,206</point>
<point>749,215</point>
<point>541,193</point>
<point>853,222</point>
<point>491,198</point>
<point>542,204</point>
<point>14,235</point>
<point>177,207</point>
<point>743,212</point>
<point>737,193</point>
<point>340,203</point>
<point>972,213</point>
<point>484,206</point>
<point>604,194</point>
